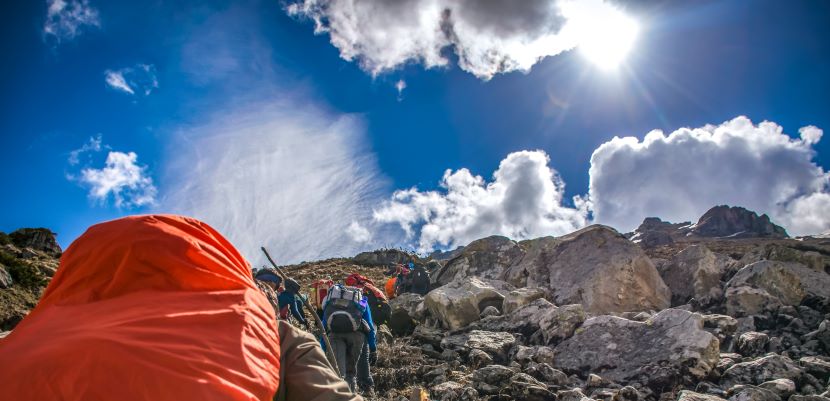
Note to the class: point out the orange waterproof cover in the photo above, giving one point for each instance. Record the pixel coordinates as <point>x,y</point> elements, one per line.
<point>390,287</point>
<point>146,308</point>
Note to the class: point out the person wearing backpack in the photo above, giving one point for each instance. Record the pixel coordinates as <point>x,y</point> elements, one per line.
<point>378,303</point>
<point>419,280</point>
<point>285,301</point>
<point>348,320</point>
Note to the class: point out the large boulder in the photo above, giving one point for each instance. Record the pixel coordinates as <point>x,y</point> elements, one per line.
<point>694,272</point>
<point>495,344</point>
<point>39,239</point>
<point>540,321</point>
<point>775,283</point>
<point>764,369</point>
<point>461,302</point>
<point>736,222</point>
<point>520,297</point>
<point>672,347</point>
<point>687,395</point>
<point>484,258</point>
<point>596,267</point>
<point>405,313</point>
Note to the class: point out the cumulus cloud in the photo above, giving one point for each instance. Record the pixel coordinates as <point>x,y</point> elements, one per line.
<point>141,78</point>
<point>358,233</point>
<point>523,200</point>
<point>122,179</point>
<point>681,175</point>
<point>66,19</point>
<point>285,175</point>
<point>488,37</point>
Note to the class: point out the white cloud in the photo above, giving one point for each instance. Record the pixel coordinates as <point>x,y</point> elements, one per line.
<point>488,37</point>
<point>400,86</point>
<point>141,78</point>
<point>93,145</point>
<point>358,233</point>
<point>524,200</point>
<point>285,175</point>
<point>681,175</point>
<point>66,19</point>
<point>121,177</point>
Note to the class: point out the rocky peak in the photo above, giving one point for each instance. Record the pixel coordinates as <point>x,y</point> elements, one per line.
<point>39,239</point>
<point>737,222</point>
<point>382,257</point>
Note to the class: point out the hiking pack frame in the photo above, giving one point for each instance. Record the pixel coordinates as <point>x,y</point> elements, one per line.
<point>329,351</point>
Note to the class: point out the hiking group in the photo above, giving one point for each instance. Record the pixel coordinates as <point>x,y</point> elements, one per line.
<point>163,307</point>
<point>350,313</point>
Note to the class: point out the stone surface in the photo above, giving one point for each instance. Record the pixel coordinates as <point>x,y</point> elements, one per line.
<point>694,272</point>
<point>687,395</point>
<point>453,391</point>
<point>596,267</point>
<point>461,302</point>
<point>5,278</point>
<point>484,258</point>
<point>815,366</point>
<point>384,257</point>
<point>752,393</point>
<point>752,343</point>
<point>662,351</point>
<point>402,320</point>
<point>774,282</point>
<point>783,388</point>
<point>764,369</point>
<point>517,298</point>
<point>497,345</point>
<point>540,321</point>
<point>39,239</point>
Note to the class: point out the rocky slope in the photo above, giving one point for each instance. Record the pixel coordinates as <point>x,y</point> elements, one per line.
<point>734,311</point>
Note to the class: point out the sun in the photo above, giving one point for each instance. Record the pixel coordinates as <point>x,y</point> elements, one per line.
<point>604,35</point>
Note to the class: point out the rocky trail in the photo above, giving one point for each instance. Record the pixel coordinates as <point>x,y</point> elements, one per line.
<point>728,308</point>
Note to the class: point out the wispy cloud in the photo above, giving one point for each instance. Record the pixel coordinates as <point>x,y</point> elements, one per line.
<point>140,78</point>
<point>122,179</point>
<point>279,173</point>
<point>400,86</point>
<point>66,19</point>
<point>93,145</point>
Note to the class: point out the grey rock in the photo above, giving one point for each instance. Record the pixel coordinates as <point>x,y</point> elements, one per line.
<point>384,257</point>
<point>39,239</point>
<point>752,393</point>
<point>815,366</point>
<point>490,379</point>
<point>478,358</point>
<point>821,334</point>
<point>5,278</point>
<point>489,311</point>
<point>752,343</point>
<point>722,326</point>
<point>784,283</point>
<point>540,320</point>
<point>461,302</point>
<point>596,267</point>
<point>524,387</point>
<point>453,391</point>
<point>736,222</point>
<point>484,258</point>
<point>783,388</point>
<point>808,398</point>
<point>694,272</point>
<point>763,369</point>
<point>517,298</point>
<point>428,335</point>
<point>497,345</point>
<point>627,393</point>
<point>546,373</point>
<point>593,381</point>
<point>404,312</point>
<point>571,395</point>
<point>687,395</point>
<point>670,346</point>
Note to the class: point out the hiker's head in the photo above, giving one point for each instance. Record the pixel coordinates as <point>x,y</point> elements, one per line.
<point>270,277</point>
<point>292,286</point>
<point>354,280</point>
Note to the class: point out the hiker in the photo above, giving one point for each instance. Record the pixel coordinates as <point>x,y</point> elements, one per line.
<point>378,303</point>
<point>402,284</point>
<point>283,301</point>
<point>419,280</point>
<point>348,319</point>
<point>160,307</point>
<point>289,300</point>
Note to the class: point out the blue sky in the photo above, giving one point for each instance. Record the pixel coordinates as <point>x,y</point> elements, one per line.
<point>242,116</point>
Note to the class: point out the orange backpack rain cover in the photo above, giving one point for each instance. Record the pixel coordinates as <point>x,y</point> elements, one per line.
<point>146,308</point>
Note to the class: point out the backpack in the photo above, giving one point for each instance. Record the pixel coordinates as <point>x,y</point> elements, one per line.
<point>342,312</point>
<point>319,290</point>
<point>419,280</point>
<point>378,305</point>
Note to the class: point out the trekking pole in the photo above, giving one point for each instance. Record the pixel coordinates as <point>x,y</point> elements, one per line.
<point>329,350</point>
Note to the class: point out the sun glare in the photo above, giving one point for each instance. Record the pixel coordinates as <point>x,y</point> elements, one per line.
<point>605,36</point>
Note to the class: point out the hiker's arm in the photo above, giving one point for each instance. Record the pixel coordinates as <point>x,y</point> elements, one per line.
<point>370,336</point>
<point>305,373</point>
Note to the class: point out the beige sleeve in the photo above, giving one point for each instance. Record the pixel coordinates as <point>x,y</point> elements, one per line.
<point>305,373</point>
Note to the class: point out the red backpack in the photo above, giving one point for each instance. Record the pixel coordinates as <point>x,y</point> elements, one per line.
<point>319,290</point>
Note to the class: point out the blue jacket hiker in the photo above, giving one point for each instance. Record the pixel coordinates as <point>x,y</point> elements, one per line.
<point>348,319</point>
